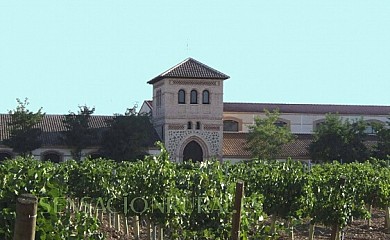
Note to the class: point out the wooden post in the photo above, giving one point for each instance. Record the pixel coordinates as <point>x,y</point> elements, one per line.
<point>335,233</point>
<point>311,231</point>
<point>26,217</point>
<point>149,229</point>
<point>110,219</point>
<point>117,221</point>
<point>237,210</point>
<point>136,227</point>
<point>387,219</point>
<point>160,232</point>
<point>126,221</point>
<point>369,221</point>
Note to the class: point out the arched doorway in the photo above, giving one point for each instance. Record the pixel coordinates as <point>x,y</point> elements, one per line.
<point>193,151</point>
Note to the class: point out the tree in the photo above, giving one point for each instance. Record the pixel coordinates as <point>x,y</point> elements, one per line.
<point>382,148</point>
<point>127,137</point>
<point>24,132</point>
<point>266,137</point>
<point>338,139</point>
<point>79,134</point>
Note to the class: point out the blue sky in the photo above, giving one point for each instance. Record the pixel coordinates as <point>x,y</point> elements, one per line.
<point>65,53</point>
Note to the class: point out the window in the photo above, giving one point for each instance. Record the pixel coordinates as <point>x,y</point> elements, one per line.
<point>197,125</point>
<point>206,97</point>
<point>194,97</point>
<point>52,157</point>
<point>230,126</point>
<point>317,124</point>
<point>281,123</point>
<point>181,97</point>
<point>370,127</point>
<point>189,125</point>
<point>370,130</point>
<point>158,98</point>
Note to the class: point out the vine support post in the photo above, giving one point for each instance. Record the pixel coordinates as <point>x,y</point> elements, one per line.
<point>236,221</point>
<point>387,219</point>
<point>160,233</point>
<point>126,221</point>
<point>335,233</point>
<point>26,217</point>
<point>369,221</point>
<point>136,227</point>
<point>311,231</point>
<point>273,222</point>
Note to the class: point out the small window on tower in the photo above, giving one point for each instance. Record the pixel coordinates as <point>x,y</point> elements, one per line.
<point>158,98</point>
<point>189,125</point>
<point>182,97</point>
<point>198,125</point>
<point>194,97</point>
<point>206,97</point>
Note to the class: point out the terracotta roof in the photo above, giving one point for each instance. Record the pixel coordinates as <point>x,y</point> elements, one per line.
<point>190,68</point>
<point>235,144</point>
<point>53,127</point>
<point>307,108</point>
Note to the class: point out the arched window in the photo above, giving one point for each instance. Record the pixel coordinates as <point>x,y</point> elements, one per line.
<point>5,155</point>
<point>206,97</point>
<point>230,126</point>
<point>158,98</point>
<point>181,97</point>
<point>51,156</point>
<point>194,97</point>
<point>189,125</point>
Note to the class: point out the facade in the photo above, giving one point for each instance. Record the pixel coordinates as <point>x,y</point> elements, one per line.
<point>223,127</point>
<point>191,118</point>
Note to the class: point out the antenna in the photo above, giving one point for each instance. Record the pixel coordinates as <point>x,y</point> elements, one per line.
<point>188,48</point>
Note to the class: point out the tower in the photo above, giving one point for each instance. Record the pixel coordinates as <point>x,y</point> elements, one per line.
<point>188,109</point>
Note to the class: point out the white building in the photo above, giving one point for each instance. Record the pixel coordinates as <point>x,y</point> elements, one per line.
<point>191,118</point>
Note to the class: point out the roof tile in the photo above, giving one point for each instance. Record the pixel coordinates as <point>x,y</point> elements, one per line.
<point>190,68</point>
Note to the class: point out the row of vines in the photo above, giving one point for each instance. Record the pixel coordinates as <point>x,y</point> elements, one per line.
<point>191,201</point>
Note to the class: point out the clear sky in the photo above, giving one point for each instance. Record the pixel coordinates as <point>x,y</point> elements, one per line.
<point>65,53</point>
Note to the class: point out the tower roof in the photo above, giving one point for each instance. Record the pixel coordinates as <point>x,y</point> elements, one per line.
<point>190,68</point>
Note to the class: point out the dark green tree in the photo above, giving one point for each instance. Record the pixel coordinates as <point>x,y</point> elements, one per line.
<point>338,139</point>
<point>382,148</point>
<point>127,137</point>
<point>24,130</point>
<point>266,137</point>
<point>79,134</point>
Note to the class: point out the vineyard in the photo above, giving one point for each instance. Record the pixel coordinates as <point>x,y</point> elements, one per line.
<point>194,200</point>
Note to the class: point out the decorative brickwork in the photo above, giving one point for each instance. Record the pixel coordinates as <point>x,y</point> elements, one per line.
<point>211,127</point>
<point>175,127</point>
<point>194,82</point>
<point>176,139</point>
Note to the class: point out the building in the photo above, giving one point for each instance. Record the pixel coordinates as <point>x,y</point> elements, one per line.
<point>191,118</point>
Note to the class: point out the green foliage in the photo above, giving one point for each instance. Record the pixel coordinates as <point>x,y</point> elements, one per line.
<point>382,148</point>
<point>46,181</point>
<point>127,137</point>
<point>265,138</point>
<point>192,200</point>
<point>24,133</point>
<point>79,134</point>
<point>338,139</point>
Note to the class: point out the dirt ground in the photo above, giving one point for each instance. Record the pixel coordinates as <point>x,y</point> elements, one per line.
<point>358,230</point>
